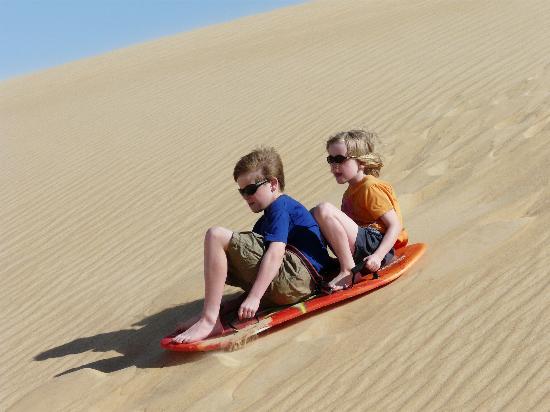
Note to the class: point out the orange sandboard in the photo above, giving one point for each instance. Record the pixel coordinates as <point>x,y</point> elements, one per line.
<point>240,332</point>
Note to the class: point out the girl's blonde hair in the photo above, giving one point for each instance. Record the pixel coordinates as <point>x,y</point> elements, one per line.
<point>265,159</point>
<point>360,146</point>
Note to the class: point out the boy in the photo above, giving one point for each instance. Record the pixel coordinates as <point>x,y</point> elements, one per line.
<point>258,261</point>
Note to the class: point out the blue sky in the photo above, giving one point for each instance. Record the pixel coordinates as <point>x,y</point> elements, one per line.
<point>37,34</point>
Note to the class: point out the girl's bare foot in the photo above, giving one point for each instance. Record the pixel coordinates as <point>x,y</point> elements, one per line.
<point>199,330</point>
<point>341,281</point>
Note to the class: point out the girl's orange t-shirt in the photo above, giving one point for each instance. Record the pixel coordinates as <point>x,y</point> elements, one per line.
<point>366,202</point>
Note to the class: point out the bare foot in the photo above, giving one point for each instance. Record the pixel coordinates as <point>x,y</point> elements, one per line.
<point>199,330</point>
<point>340,281</point>
<point>186,324</point>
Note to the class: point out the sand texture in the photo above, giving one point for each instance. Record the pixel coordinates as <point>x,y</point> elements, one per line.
<point>113,167</point>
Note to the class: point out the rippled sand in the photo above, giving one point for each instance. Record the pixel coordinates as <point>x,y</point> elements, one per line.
<point>112,168</point>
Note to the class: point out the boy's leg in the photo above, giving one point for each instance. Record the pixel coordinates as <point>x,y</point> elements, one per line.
<point>216,243</point>
<point>341,232</point>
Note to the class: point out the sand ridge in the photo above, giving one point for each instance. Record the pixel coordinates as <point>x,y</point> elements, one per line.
<point>113,167</point>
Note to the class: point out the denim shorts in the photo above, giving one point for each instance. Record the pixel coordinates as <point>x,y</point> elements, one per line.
<point>368,240</point>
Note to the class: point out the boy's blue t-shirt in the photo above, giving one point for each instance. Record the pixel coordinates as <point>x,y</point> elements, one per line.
<point>287,220</point>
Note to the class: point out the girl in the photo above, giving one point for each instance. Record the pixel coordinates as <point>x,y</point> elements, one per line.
<point>369,224</point>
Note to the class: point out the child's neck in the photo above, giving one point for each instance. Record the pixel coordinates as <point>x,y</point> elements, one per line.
<point>355,180</point>
<point>276,195</point>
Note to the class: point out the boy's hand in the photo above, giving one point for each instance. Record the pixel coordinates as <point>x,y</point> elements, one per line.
<point>373,262</point>
<point>249,307</point>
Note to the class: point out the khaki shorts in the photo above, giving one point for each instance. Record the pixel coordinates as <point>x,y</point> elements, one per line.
<point>292,284</point>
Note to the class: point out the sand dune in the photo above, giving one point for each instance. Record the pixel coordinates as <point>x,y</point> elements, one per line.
<point>113,167</point>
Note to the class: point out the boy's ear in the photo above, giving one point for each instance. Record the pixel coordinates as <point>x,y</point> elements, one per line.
<point>274,183</point>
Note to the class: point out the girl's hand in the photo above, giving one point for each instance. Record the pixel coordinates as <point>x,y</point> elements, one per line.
<point>248,308</point>
<point>373,262</point>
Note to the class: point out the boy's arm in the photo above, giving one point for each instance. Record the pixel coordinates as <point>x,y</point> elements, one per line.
<point>393,228</point>
<point>269,268</point>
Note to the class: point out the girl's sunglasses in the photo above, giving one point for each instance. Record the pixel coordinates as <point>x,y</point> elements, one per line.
<point>338,159</point>
<point>250,189</point>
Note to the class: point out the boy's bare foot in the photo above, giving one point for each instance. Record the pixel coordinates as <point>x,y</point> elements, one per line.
<point>199,330</point>
<point>186,324</point>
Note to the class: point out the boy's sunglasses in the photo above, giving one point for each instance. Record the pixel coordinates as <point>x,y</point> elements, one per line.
<point>338,159</point>
<point>250,189</point>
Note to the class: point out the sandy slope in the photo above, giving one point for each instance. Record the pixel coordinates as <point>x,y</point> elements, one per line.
<point>113,167</point>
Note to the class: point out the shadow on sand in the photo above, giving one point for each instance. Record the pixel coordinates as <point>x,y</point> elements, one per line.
<point>138,346</point>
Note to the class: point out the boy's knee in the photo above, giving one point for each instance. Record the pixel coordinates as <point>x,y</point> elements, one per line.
<point>217,234</point>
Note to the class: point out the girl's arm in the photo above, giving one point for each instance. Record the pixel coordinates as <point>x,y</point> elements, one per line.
<point>269,268</point>
<point>393,228</point>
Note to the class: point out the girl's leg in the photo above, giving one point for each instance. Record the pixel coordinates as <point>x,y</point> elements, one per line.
<point>340,231</point>
<point>216,243</point>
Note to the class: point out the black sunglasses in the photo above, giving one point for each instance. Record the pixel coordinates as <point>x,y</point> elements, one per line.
<point>250,189</point>
<point>338,159</point>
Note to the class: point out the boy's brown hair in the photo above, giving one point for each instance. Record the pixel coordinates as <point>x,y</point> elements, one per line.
<point>265,159</point>
<point>360,146</point>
